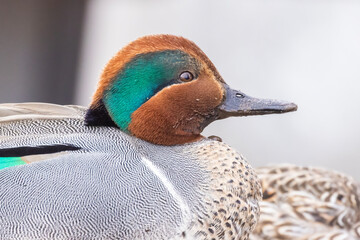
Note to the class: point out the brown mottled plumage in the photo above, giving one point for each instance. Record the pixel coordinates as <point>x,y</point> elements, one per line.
<point>302,203</point>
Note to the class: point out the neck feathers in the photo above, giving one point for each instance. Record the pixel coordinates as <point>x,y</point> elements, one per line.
<point>97,115</point>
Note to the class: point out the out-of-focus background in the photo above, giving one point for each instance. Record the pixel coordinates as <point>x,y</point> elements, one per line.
<point>305,51</point>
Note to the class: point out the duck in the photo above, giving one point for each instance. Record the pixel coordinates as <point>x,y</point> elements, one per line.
<point>132,165</point>
<point>307,203</point>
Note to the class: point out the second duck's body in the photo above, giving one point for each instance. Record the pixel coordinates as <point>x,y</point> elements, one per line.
<point>307,203</point>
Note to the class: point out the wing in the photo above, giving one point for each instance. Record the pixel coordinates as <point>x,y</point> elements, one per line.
<point>82,182</point>
<point>10,112</point>
<point>308,203</point>
<point>21,122</point>
<point>86,195</point>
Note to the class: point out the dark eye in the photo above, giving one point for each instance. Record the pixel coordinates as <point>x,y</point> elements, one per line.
<point>186,76</point>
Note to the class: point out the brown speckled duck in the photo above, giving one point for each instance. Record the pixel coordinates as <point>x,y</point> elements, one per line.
<point>133,165</point>
<point>304,203</point>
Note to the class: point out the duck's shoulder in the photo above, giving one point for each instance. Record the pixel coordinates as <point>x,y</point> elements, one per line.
<point>21,119</point>
<point>34,132</point>
<point>42,119</point>
<point>308,201</point>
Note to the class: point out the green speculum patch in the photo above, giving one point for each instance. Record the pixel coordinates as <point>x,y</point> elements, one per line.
<point>141,79</point>
<point>10,161</point>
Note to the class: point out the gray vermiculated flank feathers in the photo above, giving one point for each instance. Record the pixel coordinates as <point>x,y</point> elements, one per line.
<point>120,187</point>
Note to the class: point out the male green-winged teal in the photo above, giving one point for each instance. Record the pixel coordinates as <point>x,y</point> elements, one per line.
<point>133,165</point>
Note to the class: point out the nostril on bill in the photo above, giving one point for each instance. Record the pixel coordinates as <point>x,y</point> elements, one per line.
<point>239,95</point>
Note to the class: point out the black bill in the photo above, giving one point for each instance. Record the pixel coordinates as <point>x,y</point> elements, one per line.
<point>237,103</point>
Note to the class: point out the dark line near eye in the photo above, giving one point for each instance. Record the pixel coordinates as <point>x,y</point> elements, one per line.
<point>45,149</point>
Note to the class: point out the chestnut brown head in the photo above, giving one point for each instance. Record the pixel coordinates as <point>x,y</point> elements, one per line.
<point>165,90</point>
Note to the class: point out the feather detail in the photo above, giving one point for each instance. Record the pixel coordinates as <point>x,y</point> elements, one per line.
<point>307,203</point>
<point>35,150</point>
<point>20,111</point>
<point>20,121</point>
<point>41,157</point>
<point>10,161</point>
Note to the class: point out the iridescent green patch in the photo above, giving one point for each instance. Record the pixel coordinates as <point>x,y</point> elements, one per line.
<point>141,78</point>
<point>10,162</point>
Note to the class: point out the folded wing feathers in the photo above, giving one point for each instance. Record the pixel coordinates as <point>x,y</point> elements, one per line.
<point>20,111</point>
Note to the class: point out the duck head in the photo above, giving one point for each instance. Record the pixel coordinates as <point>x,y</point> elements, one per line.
<point>165,90</point>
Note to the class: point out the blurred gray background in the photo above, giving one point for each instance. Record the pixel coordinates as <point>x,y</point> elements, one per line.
<point>305,51</point>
